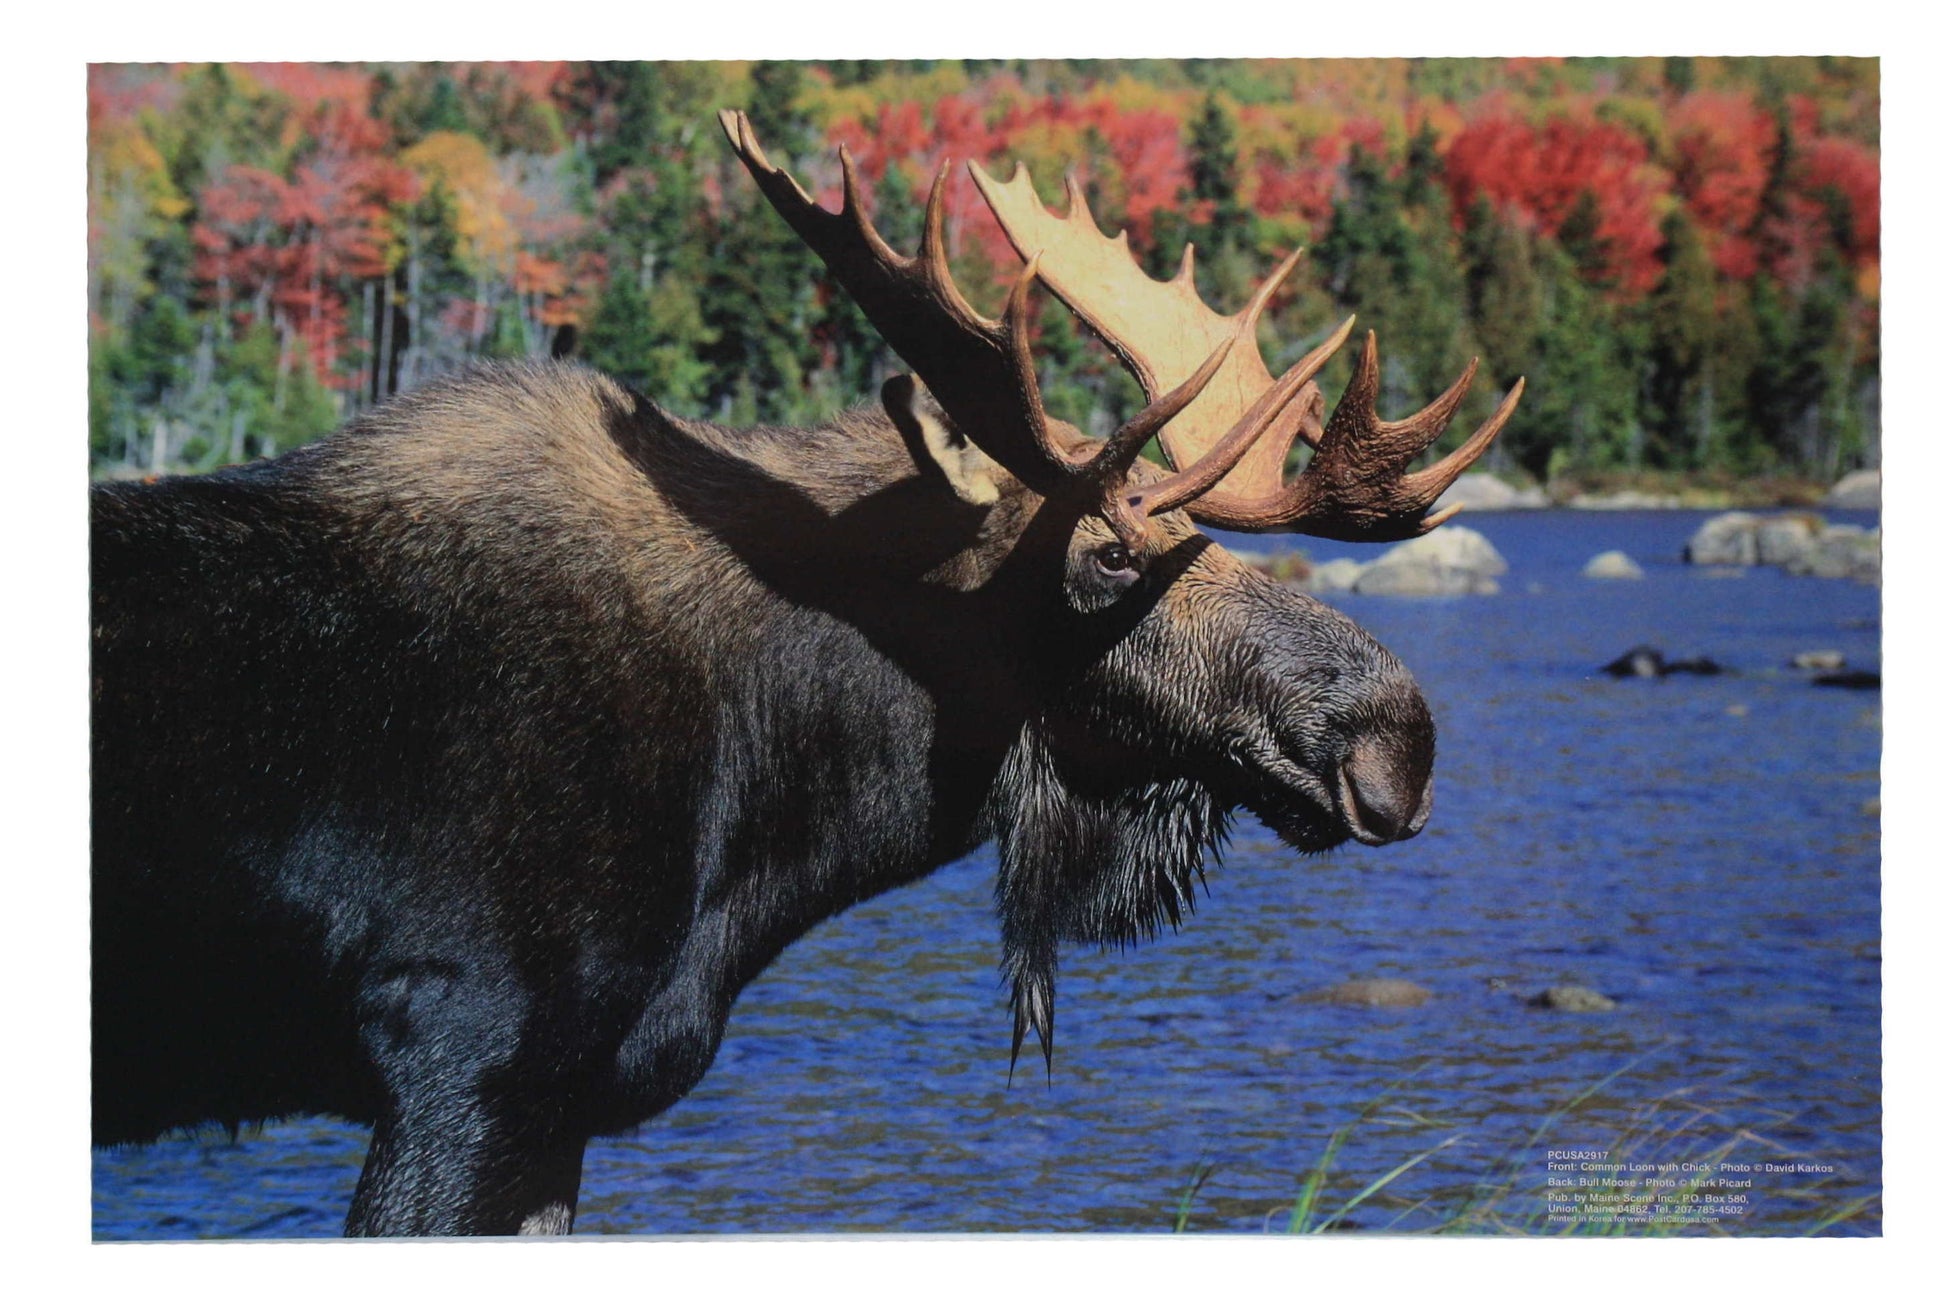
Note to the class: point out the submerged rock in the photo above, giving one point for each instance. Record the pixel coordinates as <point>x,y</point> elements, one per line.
<point>1571,997</point>
<point>1371,992</point>
<point>1858,678</point>
<point>1612,564</point>
<point>1648,662</point>
<point>1636,662</point>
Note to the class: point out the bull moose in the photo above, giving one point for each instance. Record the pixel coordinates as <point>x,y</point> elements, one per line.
<point>455,773</point>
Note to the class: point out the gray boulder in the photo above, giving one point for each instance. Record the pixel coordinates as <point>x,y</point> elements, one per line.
<point>1797,543</point>
<point>1823,661</point>
<point>1484,491</point>
<point>1459,548</point>
<point>1841,551</point>
<point>1855,491</point>
<point>1787,538</point>
<point>1339,575</point>
<point>1409,577</point>
<point>1612,564</point>
<point>1447,561</point>
<point>1724,539</point>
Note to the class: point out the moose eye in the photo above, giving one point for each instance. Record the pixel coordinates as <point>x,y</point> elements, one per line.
<point>1114,558</point>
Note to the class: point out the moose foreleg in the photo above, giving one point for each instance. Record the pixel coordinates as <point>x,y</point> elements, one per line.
<point>468,1143</point>
<point>459,1175</point>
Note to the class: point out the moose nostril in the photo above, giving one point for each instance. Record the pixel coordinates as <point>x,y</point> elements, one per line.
<point>1386,800</point>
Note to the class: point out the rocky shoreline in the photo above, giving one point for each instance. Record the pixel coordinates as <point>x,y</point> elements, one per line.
<point>1456,560</point>
<point>1488,492</point>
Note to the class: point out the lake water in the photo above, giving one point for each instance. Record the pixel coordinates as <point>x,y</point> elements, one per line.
<point>1702,850</point>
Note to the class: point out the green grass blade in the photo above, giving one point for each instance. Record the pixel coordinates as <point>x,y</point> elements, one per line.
<point>1383,1180</point>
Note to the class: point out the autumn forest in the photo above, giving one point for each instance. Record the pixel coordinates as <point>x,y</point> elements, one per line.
<point>1681,255</point>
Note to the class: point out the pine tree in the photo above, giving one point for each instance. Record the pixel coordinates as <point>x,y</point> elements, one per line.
<point>1397,265</point>
<point>1507,304</point>
<point>761,301</point>
<point>632,90</point>
<point>1681,359</point>
<point>1226,234</point>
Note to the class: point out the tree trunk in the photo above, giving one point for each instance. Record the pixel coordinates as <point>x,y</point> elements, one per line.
<point>409,373</point>
<point>479,315</point>
<point>370,389</point>
<point>382,382</point>
<point>159,447</point>
<point>283,365</point>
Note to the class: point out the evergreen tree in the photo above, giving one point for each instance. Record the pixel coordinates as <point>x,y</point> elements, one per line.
<point>632,90</point>
<point>646,327</point>
<point>1580,237</point>
<point>776,86</point>
<point>762,301</point>
<point>1508,302</point>
<point>1769,226</point>
<point>220,121</point>
<point>1226,234</point>
<point>1397,265</point>
<point>1789,389</point>
<point>650,339</point>
<point>445,109</point>
<point>1582,387</point>
<point>1423,184</point>
<point>1681,359</point>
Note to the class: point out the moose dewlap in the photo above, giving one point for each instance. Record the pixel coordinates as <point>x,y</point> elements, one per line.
<point>454,774</point>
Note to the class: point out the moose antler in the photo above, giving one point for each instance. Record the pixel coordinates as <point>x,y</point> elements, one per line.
<point>981,369</point>
<point>1355,488</point>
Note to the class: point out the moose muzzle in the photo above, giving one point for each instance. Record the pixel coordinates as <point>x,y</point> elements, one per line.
<point>1385,789</point>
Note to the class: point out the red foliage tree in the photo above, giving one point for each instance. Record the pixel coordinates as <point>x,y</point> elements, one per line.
<point>1722,144</point>
<point>1537,175</point>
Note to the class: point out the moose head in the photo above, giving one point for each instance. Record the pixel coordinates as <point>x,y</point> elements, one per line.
<point>1177,684</point>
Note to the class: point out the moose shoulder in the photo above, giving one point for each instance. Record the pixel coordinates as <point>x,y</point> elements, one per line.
<point>455,774</point>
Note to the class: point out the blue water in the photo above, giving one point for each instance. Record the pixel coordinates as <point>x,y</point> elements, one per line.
<point>1704,851</point>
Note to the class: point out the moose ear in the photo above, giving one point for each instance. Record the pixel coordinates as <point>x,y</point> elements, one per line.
<point>936,442</point>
